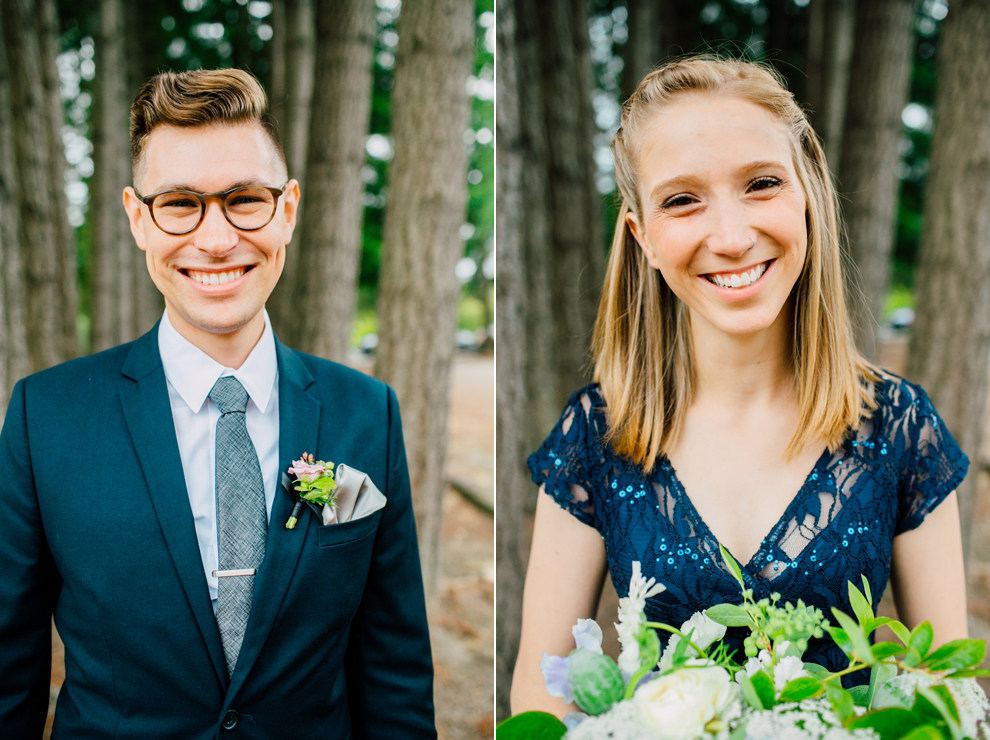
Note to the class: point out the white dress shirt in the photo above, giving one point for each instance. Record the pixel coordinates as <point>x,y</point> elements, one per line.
<point>190,374</point>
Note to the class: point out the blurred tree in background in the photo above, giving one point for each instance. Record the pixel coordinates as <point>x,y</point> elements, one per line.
<point>866,73</point>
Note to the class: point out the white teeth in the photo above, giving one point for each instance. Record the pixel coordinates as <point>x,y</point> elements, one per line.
<point>215,278</point>
<point>739,280</point>
<point>223,278</point>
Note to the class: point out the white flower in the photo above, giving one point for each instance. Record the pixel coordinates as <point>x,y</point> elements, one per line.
<point>631,617</point>
<point>588,635</point>
<point>689,703</point>
<point>786,671</point>
<point>812,719</point>
<point>706,631</point>
<point>761,661</point>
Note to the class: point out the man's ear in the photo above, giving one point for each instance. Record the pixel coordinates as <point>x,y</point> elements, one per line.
<point>290,207</point>
<point>632,223</point>
<point>135,215</point>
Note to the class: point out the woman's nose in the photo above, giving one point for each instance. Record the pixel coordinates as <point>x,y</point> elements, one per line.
<point>731,234</point>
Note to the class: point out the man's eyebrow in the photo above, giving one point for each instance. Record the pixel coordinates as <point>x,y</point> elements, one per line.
<point>185,186</point>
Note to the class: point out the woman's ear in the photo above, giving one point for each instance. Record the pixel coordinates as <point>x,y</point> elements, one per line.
<point>632,223</point>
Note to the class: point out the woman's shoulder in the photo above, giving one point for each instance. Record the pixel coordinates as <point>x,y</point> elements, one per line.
<point>898,398</point>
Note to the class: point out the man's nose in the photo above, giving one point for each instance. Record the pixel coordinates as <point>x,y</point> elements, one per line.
<point>731,233</point>
<point>215,234</point>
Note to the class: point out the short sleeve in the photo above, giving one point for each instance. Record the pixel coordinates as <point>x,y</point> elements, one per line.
<point>570,459</point>
<point>935,464</point>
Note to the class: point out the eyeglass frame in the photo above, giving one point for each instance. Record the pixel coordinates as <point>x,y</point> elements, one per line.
<point>149,200</point>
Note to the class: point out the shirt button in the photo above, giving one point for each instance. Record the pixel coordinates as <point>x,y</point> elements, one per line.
<point>230,720</point>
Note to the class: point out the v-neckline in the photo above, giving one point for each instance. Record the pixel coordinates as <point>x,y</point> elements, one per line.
<point>680,492</point>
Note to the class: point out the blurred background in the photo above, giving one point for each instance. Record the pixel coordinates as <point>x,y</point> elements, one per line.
<point>896,89</point>
<point>386,110</point>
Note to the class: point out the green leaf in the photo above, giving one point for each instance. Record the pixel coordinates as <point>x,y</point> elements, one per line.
<point>861,647</point>
<point>860,695</point>
<point>970,673</point>
<point>749,692</point>
<point>818,671</point>
<point>800,689</point>
<point>763,685</point>
<point>325,484</point>
<point>842,701</point>
<point>924,733</point>
<point>733,566</point>
<point>866,590</point>
<point>861,607</point>
<point>596,681</point>
<point>921,641</point>
<point>841,639</point>
<point>649,654</point>
<point>957,654</point>
<point>889,724</point>
<point>887,649</point>
<point>935,708</point>
<point>680,651</point>
<point>729,615</point>
<point>876,622</point>
<point>531,726</point>
<point>880,674</point>
<point>739,733</point>
<point>948,704</point>
<point>902,632</point>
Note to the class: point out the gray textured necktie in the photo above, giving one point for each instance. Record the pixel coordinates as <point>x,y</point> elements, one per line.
<point>242,521</point>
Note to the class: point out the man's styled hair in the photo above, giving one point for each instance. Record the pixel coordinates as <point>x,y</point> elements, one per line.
<point>202,97</point>
<point>643,349</point>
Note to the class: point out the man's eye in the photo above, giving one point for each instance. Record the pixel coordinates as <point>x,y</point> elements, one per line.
<point>764,183</point>
<point>179,203</point>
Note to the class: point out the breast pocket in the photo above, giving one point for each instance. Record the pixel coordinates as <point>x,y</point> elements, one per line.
<point>337,535</point>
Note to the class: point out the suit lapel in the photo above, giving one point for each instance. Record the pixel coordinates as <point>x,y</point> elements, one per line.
<point>298,428</point>
<point>149,419</point>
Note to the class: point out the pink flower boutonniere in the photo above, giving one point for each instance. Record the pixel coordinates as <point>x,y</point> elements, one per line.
<point>315,485</point>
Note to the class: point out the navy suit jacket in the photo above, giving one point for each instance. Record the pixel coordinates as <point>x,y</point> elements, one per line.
<point>96,527</point>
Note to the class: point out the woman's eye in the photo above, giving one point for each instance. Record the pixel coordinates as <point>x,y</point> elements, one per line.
<point>678,200</point>
<point>763,183</point>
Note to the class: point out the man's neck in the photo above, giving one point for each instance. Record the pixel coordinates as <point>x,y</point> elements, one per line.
<point>230,349</point>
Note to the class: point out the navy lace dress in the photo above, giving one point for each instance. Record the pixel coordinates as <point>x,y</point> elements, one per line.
<point>883,481</point>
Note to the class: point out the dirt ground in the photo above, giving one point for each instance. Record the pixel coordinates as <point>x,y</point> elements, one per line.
<point>462,611</point>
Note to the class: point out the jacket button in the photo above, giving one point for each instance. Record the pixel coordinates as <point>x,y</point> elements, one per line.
<point>230,720</point>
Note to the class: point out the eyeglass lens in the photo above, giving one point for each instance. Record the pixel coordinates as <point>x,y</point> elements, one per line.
<point>246,208</point>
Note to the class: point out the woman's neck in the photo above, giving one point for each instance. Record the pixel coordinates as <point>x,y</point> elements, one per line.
<point>733,370</point>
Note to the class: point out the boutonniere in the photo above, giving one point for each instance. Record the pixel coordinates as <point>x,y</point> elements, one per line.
<point>314,484</point>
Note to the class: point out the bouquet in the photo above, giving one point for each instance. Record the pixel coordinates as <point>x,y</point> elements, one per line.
<point>696,690</point>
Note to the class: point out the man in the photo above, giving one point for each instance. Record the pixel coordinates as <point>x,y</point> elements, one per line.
<point>141,491</point>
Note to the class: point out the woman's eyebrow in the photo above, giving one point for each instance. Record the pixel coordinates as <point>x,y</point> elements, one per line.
<point>680,181</point>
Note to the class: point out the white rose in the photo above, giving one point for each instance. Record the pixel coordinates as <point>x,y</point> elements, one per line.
<point>786,671</point>
<point>706,631</point>
<point>690,703</point>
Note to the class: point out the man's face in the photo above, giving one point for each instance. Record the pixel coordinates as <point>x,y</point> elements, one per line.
<point>212,159</point>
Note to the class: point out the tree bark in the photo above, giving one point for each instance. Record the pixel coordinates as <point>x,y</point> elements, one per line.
<point>544,398</point>
<point>877,95</point>
<point>39,237</point>
<point>830,47</point>
<point>652,33</point>
<point>293,114</point>
<point>427,201</point>
<point>948,353</point>
<point>511,405</point>
<point>113,264</point>
<point>14,359</point>
<point>329,237</point>
<point>577,257</point>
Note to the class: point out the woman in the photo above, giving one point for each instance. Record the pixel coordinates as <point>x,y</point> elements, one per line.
<point>726,373</point>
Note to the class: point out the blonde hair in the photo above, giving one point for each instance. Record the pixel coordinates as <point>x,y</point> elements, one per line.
<point>202,97</point>
<point>642,340</point>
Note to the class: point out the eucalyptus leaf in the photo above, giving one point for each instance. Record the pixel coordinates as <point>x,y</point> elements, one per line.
<point>729,615</point>
<point>596,681</point>
<point>860,695</point>
<point>531,726</point>
<point>842,701</point>
<point>880,674</point>
<point>800,689</point>
<point>818,671</point>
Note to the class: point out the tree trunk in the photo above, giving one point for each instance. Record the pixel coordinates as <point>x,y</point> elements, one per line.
<point>575,205</point>
<point>294,122</point>
<point>948,354</point>
<point>877,95</point>
<point>830,52</point>
<point>14,359</point>
<point>511,405</point>
<point>39,238</point>
<point>427,201</point>
<point>652,33</point>
<point>113,264</point>
<point>66,271</point>
<point>329,237</point>
<point>544,398</point>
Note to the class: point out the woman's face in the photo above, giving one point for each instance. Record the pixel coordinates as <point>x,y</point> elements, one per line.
<point>723,211</point>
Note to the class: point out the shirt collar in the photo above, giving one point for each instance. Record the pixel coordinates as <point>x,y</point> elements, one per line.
<point>193,373</point>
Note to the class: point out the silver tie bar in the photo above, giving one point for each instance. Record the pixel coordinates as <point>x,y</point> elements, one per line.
<point>241,572</point>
